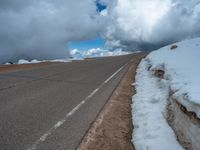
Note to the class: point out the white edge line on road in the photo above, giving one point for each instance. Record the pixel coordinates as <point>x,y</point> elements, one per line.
<point>94,92</point>
<point>107,80</point>
<point>61,122</point>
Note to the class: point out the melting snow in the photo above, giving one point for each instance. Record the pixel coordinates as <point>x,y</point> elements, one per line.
<point>182,76</point>
<point>182,69</point>
<point>23,61</point>
<point>151,131</point>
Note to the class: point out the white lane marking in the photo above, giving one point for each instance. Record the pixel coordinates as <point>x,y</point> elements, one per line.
<point>61,122</point>
<point>107,80</point>
<point>75,109</point>
<point>57,125</point>
<point>94,92</point>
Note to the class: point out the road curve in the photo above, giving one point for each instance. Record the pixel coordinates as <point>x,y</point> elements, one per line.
<point>52,107</point>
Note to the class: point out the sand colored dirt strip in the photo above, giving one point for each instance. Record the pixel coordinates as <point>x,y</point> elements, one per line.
<point>113,127</point>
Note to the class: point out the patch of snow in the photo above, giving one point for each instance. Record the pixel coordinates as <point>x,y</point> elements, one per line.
<point>151,130</point>
<point>57,60</point>
<point>35,61</point>
<point>181,75</point>
<point>181,66</point>
<point>23,61</point>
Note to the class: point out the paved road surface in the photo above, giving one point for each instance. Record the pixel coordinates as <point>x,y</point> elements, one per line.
<point>52,107</point>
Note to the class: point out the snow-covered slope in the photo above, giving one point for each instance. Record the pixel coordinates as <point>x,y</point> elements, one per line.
<point>151,131</point>
<point>182,68</point>
<point>180,73</point>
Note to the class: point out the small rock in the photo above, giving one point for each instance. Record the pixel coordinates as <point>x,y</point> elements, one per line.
<point>159,73</point>
<point>173,47</point>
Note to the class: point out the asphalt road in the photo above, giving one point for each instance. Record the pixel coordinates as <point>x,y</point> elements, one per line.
<point>52,107</point>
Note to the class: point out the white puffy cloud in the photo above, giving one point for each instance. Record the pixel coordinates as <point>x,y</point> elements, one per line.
<point>144,24</point>
<point>96,52</point>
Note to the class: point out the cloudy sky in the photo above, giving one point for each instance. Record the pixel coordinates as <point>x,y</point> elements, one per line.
<point>46,29</point>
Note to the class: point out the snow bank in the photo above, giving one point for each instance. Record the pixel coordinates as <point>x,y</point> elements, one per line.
<point>23,61</point>
<point>166,76</point>
<point>185,124</point>
<point>151,130</point>
<point>182,69</point>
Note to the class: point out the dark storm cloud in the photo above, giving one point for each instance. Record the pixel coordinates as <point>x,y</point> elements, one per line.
<point>41,29</point>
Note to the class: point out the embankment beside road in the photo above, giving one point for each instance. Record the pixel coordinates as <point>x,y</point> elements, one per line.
<point>113,126</point>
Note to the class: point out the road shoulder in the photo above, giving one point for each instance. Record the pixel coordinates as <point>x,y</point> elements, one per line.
<point>113,126</point>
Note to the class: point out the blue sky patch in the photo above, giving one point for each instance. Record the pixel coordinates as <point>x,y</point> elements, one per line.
<point>85,45</point>
<point>100,6</point>
<point>94,43</point>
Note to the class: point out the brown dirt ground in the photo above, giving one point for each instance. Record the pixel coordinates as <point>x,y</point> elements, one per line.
<point>113,127</point>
